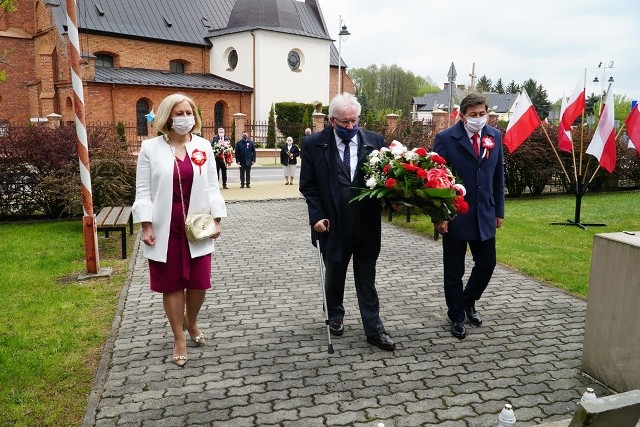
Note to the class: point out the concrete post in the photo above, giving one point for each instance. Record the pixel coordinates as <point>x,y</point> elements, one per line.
<point>240,119</point>
<point>318,121</point>
<point>439,120</point>
<point>54,120</point>
<point>392,123</point>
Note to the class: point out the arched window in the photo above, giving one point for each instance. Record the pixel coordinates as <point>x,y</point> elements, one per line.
<point>104,60</point>
<point>218,114</point>
<point>142,109</point>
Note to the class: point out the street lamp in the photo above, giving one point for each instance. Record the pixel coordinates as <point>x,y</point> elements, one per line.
<point>603,65</point>
<point>343,33</point>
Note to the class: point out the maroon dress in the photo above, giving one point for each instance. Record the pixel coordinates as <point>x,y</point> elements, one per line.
<point>180,271</point>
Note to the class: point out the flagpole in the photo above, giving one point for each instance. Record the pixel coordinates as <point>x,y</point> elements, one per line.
<point>566,174</point>
<point>584,86</point>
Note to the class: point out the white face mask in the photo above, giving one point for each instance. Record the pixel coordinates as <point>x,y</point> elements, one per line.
<point>475,124</point>
<point>182,124</point>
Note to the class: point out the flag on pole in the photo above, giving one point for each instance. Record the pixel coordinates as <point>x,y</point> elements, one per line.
<point>575,106</point>
<point>565,143</point>
<point>603,143</point>
<point>633,127</point>
<point>522,123</point>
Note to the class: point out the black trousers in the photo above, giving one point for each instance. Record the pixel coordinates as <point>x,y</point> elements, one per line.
<point>221,166</point>
<point>453,256</point>
<point>245,175</point>
<point>364,274</point>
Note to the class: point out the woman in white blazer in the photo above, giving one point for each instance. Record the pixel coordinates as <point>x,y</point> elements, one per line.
<point>176,176</point>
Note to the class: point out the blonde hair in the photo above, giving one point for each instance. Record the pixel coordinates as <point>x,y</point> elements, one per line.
<point>163,116</point>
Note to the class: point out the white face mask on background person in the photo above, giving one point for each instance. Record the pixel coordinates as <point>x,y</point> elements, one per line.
<point>475,124</point>
<point>182,124</point>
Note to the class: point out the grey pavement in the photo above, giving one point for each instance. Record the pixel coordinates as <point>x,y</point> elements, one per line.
<point>266,360</point>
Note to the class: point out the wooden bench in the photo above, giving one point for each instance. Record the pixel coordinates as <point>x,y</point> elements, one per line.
<point>408,208</point>
<point>116,218</point>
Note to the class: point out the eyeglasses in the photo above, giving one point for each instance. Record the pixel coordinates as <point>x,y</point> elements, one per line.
<point>346,122</point>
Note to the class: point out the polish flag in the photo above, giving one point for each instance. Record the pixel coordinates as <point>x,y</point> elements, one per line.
<point>575,106</point>
<point>523,122</point>
<point>565,143</point>
<point>633,127</point>
<point>603,144</point>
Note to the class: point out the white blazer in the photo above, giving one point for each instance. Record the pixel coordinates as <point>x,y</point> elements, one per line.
<point>154,192</point>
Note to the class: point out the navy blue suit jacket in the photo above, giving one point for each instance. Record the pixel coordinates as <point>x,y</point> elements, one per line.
<point>320,186</point>
<point>245,155</point>
<point>482,177</point>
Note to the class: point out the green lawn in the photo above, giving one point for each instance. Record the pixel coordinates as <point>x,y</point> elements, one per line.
<point>52,327</point>
<point>557,254</point>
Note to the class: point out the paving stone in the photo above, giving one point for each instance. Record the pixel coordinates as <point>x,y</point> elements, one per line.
<point>266,364</point>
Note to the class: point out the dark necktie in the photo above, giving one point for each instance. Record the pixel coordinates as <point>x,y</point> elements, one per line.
<point>476,144</point>
<point>346,157</point>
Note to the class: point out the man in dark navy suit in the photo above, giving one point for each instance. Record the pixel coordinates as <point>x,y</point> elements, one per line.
<point>331,168</point>
<point>245,158</point>
<point>473,151</point>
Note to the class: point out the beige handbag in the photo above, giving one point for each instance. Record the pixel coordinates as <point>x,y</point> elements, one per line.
<point>197,226</point>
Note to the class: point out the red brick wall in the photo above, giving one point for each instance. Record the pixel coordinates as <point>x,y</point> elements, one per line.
<point>347,84</point>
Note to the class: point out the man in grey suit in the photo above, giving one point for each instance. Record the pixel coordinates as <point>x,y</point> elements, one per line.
<point>331,168</point>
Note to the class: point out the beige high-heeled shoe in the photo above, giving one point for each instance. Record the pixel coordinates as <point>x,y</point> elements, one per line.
<point>180,360</point>
<point>198,339</point>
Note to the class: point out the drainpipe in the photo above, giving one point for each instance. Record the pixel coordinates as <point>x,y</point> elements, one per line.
<point>253,104</point>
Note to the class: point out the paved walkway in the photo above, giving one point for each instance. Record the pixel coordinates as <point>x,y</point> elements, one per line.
<point>266,360</point>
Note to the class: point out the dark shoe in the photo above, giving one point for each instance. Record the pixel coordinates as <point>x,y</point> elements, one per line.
<point>458,330</point>
<point>248,186</point>
<point>336,327</point>
<point>382,341</point>
<point>241,185</point>
<point>473,316</point>
<point>225,186</point>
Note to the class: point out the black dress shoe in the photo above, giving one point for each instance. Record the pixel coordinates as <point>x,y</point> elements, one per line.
<point>336,327</point>
<point>472,315</point>
<point>241,185</point>
<point>458,330</point>
<point>382,341</point>
<point>248,186</point>
<point>225,186</point>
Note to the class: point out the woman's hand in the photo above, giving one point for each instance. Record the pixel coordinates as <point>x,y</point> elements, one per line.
<point>148,236</point>
<point>218,226</point>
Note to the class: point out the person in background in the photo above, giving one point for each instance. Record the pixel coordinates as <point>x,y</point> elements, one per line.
<point>223,155</point>
<point>176,177</point>
<point>473,151</point>
<point>330,174</point>
<point>289,158</point>
<point>245,158</point>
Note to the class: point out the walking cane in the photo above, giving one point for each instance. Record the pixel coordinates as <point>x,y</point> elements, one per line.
<point>324,292</point>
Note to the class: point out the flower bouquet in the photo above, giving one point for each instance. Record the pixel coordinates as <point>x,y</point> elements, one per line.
<point>416,177</point>
<point>223,151</point>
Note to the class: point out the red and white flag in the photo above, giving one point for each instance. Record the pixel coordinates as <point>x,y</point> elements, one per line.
<point>575,106</point>
<point>633,127</point>
<point>523,122</point>
<point>565,143</point>
<point>603,143</point>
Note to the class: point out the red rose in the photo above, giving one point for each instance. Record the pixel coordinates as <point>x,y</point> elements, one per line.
<point>432,183</point>
<point>421,152</point>
<point>386,167</point>
<point>422,173</point>
<point>390,183</point>
<point>461,205</point>
<point>409,167</point>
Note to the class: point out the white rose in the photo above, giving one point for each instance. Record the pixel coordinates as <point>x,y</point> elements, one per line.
<point>410,155</point>
<point>371,182</point>
<point>374,153</point>
<point>374,160</point>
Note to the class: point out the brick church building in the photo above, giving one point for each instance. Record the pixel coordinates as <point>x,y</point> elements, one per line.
<point>230,56</point>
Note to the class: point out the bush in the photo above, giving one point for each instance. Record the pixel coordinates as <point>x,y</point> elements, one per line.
<point>40,173</point>
<point>293,118</point>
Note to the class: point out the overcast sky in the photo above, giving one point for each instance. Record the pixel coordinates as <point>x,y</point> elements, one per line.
<point>550,41</point>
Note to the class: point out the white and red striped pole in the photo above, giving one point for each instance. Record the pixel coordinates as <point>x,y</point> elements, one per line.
<point>88,220</point>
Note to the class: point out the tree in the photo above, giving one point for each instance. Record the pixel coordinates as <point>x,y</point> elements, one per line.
<point>6,6</point>
<point>271,128</point>
<point>498,87</point>
<point>483,85</point>
<point>388,87</point>
<point>513,87</point>
<point>538,96</point>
